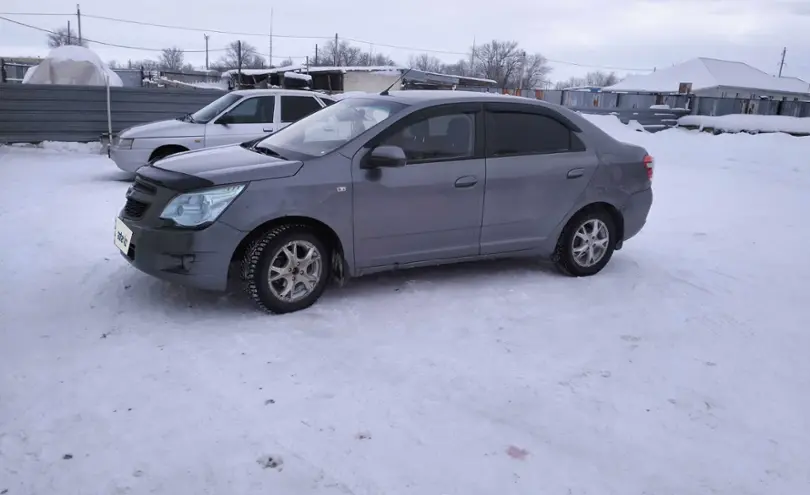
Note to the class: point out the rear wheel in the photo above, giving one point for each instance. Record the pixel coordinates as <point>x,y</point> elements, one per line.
<point>286,269</point>
<point>586,244</point>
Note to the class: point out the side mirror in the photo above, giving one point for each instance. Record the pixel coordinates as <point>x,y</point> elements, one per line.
<point>386,156</point>
<point>225,120</point>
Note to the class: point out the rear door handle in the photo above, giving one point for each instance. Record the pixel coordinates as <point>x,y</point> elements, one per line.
<point>267,130</point>
<point>466,181</point>
<point>575,173</point>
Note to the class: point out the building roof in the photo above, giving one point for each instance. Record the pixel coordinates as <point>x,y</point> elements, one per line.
<point>709,73</point>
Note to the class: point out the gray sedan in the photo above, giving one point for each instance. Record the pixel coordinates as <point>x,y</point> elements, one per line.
<point>388,181</point>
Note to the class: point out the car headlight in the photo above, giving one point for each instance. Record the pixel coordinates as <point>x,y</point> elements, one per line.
<point>125,143</point>
<point>200,207</point>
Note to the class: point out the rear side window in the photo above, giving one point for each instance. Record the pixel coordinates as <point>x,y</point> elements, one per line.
<point>513,133</point>
<point>328,102</point>
<point>295,108</point>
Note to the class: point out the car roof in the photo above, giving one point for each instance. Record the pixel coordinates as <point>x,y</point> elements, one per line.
<point>437,96</point>
<point>277,91</point>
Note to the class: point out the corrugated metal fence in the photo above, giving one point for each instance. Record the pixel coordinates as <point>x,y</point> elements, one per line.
<point>34,113</point>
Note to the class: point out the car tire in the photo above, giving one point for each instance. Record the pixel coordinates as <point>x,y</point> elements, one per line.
<point>586,243</point>
<point>300,264</point>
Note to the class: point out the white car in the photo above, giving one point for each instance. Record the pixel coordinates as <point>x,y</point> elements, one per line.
<point>236,117</point>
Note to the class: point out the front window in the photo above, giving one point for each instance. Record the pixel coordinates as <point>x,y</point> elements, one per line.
<point>208,112</point>
<point>330,128</point>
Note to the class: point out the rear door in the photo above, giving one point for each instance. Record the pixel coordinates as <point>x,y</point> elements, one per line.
<point>296,107</point>
<point>249,119</point>
<point>537,168</point>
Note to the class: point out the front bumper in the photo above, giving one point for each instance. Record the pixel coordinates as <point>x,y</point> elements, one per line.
<point>196,258</point>
<point>129,160</point>
<point>635,212</point>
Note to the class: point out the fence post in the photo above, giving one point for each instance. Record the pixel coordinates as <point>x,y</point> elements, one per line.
<point>109,111</point>
<point>2,70</point>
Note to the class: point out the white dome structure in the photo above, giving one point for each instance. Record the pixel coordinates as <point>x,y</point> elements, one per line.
<point>72,65</point>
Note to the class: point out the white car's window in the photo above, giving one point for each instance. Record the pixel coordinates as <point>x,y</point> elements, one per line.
<point>295,108</point>
<point>328,129</point>
<point>216,107</point>
<point>253,111</point>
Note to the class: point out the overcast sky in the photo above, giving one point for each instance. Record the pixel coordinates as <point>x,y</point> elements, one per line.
<point>627,34</point>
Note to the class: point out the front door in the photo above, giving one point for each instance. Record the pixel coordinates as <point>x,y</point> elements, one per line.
<point>430,208</point>
<point>249,119</point>
<point>536,170</point>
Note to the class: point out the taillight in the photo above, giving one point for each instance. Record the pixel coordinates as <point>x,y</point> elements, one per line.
<point>649,165</point>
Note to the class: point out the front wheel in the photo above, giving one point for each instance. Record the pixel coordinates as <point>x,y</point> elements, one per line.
<point>586,244</point>
<point>287,269</point>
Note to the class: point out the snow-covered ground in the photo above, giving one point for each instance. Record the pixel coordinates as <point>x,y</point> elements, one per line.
<point>681,369</point>
<point>748,123</point>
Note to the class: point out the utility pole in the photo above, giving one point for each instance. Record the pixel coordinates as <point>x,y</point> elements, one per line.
<point>239,61</point>
<point>307,64</point>
<point>472,58</point>
<point>270,60</point>
<point>79,18</point>
<point>70,42</point>
<point>782,63</point>
<point>337,52</point>
<point>316,54</point>
<point>206,51</point>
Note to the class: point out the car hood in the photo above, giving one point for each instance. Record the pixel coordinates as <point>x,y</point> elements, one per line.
<point>229,164</point>
<point>164,129</point>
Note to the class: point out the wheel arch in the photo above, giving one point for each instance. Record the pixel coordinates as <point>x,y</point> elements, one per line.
<point>615,215</point>
<point>179,148</point>
<point>323,230</point>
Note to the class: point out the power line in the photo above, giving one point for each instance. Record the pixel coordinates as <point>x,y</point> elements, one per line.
<point>104,43</point>
<point>355,40</point>
<point>187,28</point>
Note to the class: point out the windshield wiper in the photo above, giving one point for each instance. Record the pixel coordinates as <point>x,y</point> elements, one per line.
<point>187,118</point>
<point>267,151</point>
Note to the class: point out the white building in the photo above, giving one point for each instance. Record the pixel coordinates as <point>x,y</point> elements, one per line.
<point>716,78</point>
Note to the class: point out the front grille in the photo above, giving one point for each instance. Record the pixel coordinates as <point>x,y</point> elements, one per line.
<point>135,208</point>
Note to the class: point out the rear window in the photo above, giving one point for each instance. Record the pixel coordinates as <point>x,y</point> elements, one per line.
<point>514,133</point>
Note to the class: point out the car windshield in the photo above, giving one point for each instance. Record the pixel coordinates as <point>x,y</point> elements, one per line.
<point>330,128</point>
<point>208,112</point>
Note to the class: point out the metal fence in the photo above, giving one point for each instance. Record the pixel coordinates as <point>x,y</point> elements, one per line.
<point>31,113</point>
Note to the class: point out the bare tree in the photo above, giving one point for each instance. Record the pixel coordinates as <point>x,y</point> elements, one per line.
<point>62,37</point>
<point>286,62</point>
<point>338,54</point>
<point>601,79</point>
<point>534,71</point>
<point>171,59</point>
<point>425,62</point>
<point>597,79</point>
<point>374,59</point>
<point>460,68</point>
<point>248,53</point>
<point>499,60</point>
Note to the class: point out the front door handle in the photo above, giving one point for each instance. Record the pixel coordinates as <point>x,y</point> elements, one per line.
<point>267,130</point>
<point>466,181</point>
<point>575,173</point>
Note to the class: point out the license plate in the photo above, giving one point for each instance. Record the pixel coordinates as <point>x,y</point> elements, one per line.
<point>122,236</point>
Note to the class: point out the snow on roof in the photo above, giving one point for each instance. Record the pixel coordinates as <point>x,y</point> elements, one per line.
<point>709,73</point>
<point>479,79</point>
<point>72,64</point>
<point>296,75</point>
